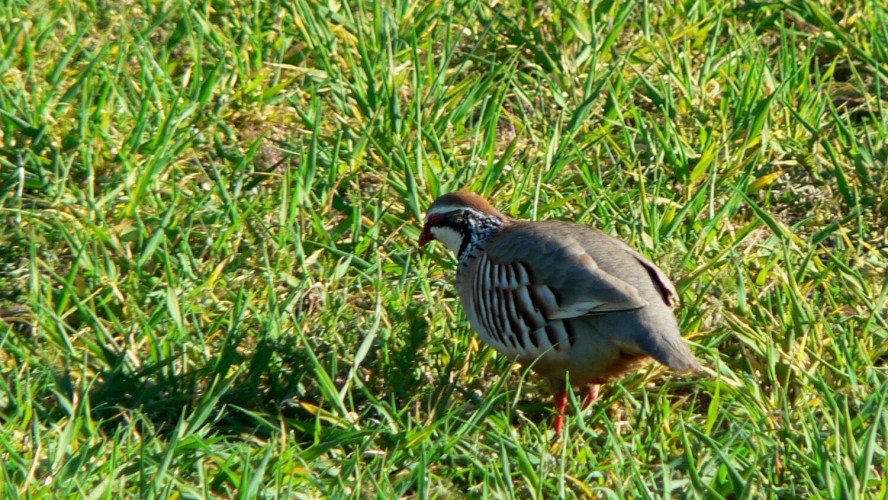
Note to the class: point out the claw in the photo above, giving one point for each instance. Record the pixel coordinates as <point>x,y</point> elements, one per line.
<point>591,395</point>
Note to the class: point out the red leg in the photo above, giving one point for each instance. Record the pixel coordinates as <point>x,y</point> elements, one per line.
<point>560,407</point>
<point>591,395</point>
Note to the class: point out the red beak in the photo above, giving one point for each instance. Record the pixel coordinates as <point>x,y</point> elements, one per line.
<point>426,236</point>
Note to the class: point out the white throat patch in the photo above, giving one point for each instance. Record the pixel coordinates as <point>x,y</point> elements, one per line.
<point>449,237</point>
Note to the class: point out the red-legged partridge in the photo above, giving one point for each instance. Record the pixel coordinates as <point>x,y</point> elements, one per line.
<point>558,296</point>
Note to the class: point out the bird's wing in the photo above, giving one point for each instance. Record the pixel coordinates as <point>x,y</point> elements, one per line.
<point>658,278</point>
<point>560,273</point>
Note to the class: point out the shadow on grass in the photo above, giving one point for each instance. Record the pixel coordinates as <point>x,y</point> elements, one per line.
<point>249,387</point>
<point>164,395</point>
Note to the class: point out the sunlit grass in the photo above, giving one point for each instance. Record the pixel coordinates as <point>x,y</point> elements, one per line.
<point>210,284</point>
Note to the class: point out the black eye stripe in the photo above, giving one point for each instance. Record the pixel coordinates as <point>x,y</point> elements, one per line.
<point>456,227</point>
<point>456,216</point>
<point>455,221</point>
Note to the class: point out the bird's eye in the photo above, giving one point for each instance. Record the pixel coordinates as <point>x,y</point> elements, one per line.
<point>455,218</point>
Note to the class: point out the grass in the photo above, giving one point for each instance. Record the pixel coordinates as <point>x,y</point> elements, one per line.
<point>210,283</point>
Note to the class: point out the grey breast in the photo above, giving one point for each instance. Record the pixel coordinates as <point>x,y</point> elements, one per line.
<point>510,312</point>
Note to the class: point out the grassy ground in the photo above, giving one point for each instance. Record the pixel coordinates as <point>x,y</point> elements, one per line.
<point>210,283</point>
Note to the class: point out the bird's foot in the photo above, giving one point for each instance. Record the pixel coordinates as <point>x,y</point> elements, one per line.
<point>560,407</point>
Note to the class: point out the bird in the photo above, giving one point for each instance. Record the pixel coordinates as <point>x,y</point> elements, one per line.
<point>566,299</point>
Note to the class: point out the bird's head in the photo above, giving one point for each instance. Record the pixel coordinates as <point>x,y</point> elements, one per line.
<point>460,220</point>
